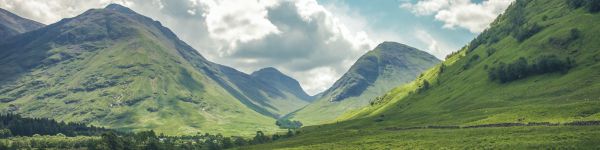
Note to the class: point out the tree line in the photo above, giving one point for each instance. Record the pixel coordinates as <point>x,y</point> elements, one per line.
<point>17,132</point>
<point>15,125</point>
<point>521,68</point>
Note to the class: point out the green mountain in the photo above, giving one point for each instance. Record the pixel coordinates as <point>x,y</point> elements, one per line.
<point>388,65</point>
<point>113,67</point>
<point>11,24</point>
<point>281,81</point>
<point>272,97</point>
<point>539,62</point>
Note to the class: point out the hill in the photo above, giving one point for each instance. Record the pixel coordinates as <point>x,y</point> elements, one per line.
<point>11,24</point>
<point>538,63</point>
<point>388,65</point>
<point>115,68</point>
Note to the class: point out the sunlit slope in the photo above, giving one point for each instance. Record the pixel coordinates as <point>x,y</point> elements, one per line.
<point>390,64</point>
<point>115,68</point>
<point>558,40</point>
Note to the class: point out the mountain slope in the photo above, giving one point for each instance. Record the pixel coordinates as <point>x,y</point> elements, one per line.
<point>558,83</point>
<point>499,76</point>
<point>281,81</point>
<point>113,67</point>
<point>267,97</point>
<point>390,64</point>
<point>11,24</point>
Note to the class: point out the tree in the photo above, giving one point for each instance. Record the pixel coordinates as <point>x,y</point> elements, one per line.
<point>260,138</point>
<point>575,3</point>
<point>594,6</point>
<point>288,124</point>
<point>112,140</point>
<point>227,143</point>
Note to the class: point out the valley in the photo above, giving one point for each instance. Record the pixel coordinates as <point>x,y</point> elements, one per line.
<point>112,78</point>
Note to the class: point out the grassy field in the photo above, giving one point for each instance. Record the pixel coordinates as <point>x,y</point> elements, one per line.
<point>558,137</point>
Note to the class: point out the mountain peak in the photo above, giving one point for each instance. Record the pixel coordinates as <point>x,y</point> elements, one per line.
<point>268,70</point>
<point>119,8</point>
<point>12,24</point>
<point>282,81</point>
<point>388,45</point>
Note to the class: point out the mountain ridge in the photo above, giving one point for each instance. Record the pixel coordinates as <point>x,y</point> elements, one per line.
<point>12,24</point>
<point>386,66</point>
<point>114,67</point>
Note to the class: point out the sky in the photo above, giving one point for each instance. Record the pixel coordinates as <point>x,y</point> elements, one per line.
<point>313,41</point>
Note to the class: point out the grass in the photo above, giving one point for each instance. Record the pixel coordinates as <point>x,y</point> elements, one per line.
<point>560,137</point>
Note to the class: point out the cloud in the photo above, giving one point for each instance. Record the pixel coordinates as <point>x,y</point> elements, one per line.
<point>475,17</point>
<point>50,11</point>
<point>300,37</point>
<point>309,44</point>
<point>426,7</point>
<point>434,46</point>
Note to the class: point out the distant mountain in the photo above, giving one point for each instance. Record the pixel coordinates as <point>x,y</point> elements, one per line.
<point>270,97</point>
<point>11,24</point>
<point>116,68</point>
<point>282,82</point>
<point>388,65</point>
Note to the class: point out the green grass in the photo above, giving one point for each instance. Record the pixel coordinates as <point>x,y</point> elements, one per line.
<point>560,137</point>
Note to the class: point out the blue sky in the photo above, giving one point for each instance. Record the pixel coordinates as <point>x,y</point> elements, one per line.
<point>387,16</point>
<point>313,41</point>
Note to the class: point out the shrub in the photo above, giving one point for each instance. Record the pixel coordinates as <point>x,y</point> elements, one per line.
<point>593,6</point>
<point>528,31</point>
<point>521,69</point>
<point>575,3</point>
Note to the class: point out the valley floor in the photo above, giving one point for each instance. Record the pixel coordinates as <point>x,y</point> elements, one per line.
<point>522,137</point>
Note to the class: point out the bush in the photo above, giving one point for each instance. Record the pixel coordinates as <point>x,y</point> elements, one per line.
<point>526,32</point>
<point>521,69</point>
<point>576,3</point>
<point>288,124</point>
<point>592,6</point>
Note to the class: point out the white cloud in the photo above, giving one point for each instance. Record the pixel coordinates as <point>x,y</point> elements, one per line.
<point>426,7</point>
<point>50,11</point>
<point>475,17</point>
<point>238,20</point>
<point>434,46</point>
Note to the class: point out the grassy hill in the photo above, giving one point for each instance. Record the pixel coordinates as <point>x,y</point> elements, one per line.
<point>538,62</point>
<point>388,65</point>
<point>115,68</point>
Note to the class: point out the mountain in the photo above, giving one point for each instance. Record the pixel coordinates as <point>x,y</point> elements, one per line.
<point>538,63</point>
<point>11,24</point>
<point>388,65</point>
<point>270,97</point>
<point>113,67</point>
<point>282,82</point>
